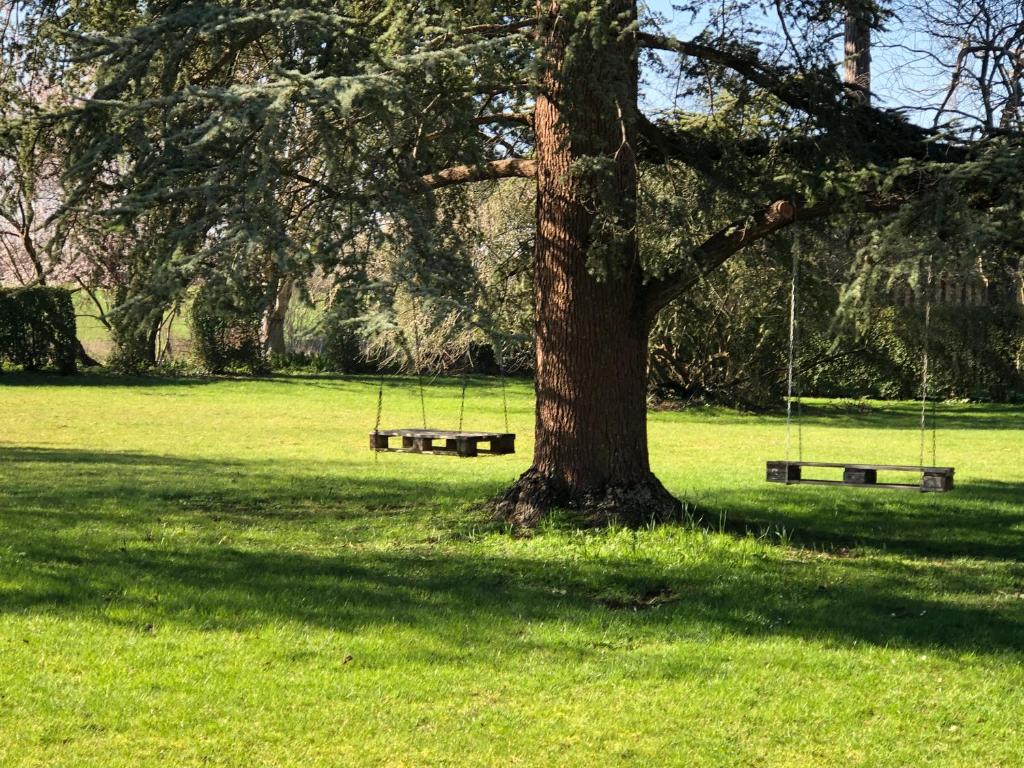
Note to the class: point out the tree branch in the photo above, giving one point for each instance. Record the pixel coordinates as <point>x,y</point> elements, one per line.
<point>717,249</point>
<point>871,135</point>
<point>491,30</point>
<point>495,169</point>
<point>775,80</point>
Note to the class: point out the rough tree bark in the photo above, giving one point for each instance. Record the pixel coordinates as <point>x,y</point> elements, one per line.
<point>591,332</point>
<point>857,53</point>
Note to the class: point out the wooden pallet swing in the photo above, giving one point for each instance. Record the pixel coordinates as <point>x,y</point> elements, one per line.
<point>455,442</point>
<point>929,479</point>
<point>443,442</point>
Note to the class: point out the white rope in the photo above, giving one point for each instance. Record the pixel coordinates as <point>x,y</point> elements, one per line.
<point>792,350</point>
<point>924,365</point>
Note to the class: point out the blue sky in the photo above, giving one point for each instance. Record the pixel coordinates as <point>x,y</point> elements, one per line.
<point>898,77</point>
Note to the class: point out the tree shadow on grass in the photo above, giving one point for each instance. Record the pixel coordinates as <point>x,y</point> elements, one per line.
<point>99,380</point>
<point>980,519</point>
<point>67,486</point>
<point>468,603</point>
<point>96,552</point>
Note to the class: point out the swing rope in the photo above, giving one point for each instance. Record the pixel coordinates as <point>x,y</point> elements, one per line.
<point>504,390</point>
<point>465,381</point>
<point>791,381</point>
<point>380,403</point>
<point>380,409</point>
<point>500,355</point>
<point>416,360</point>
<point>925,381</point>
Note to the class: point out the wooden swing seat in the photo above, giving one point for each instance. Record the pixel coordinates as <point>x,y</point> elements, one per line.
<point>932,479</point>
<point>466,444</point>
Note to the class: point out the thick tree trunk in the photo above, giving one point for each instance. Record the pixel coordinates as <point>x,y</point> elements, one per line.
<point>591,320</point>
<point>857,53</point>
<point>277,313</point>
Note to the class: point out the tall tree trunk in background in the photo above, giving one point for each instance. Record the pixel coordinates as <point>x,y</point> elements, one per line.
<point>591,332</point>
<point>82,356</point>
<point>153,340</point>
<point>857,53</point>
<point>28,243</point>
<point>277,313</point>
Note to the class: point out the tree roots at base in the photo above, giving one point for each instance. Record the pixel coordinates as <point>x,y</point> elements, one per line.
<point>534,495</point>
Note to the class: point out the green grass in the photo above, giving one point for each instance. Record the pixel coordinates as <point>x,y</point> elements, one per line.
<point>221,574</point>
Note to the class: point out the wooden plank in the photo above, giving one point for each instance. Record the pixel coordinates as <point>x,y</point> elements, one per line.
<point>443,434</point>
<point>860,476</point>
<point>466,444</point>
<point>936,482</point>
<point>422,443</point>
<point>782,472</point>
<point>503,444</point>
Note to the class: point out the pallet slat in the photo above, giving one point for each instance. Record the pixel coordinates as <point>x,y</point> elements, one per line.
<point>882,467</point>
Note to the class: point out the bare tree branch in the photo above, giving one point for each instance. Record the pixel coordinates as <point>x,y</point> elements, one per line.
<point>495,169</point>
<point>772,79</point>
<point>717,249</point>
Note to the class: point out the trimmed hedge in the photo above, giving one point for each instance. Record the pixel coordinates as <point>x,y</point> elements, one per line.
<point>37,328</point>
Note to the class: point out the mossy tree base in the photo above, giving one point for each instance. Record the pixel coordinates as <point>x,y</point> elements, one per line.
<point>534,495</point>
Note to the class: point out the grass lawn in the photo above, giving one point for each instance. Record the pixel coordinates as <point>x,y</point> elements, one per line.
<point>221,574</point>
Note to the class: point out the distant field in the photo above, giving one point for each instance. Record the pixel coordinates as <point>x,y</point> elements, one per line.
<point>219,573</point>
<point>301,332</point>
<point>175,341</point>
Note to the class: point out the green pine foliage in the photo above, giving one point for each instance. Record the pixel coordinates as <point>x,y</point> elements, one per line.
<point>242,142</point>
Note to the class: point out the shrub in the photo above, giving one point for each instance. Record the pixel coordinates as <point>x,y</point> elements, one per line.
<point>225,336</point>
<point>133,349</point>
<point>342,350</point>
<point>973,354</point>
<point>37,328</point>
